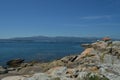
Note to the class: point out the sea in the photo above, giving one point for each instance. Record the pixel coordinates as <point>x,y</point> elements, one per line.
<point>38,51</point>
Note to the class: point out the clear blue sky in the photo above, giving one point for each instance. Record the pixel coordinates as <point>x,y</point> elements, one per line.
<point>91,18</point>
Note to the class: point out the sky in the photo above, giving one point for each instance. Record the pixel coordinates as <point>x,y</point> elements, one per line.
<point>79,18</point>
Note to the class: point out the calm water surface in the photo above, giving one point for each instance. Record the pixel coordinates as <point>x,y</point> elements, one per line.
<point>44,51</point>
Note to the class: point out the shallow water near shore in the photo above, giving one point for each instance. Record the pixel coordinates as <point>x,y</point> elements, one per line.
<point>40,51</point>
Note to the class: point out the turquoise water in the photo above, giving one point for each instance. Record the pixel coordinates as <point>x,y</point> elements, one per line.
<point>41,51</point>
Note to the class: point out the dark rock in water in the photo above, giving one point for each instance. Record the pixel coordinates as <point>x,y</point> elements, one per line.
<point>15,62</point>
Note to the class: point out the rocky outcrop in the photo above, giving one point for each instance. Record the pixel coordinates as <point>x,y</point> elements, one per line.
<point>15,62</point>
<point>99,60</point>
<point>57,73</point>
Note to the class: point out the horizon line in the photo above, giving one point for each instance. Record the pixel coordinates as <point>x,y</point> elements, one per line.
<point>58,36</point>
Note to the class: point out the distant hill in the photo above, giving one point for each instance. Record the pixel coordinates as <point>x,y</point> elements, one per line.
<point>51,39</point>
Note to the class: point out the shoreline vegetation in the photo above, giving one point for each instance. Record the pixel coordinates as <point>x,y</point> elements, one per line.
<point>99,61</point>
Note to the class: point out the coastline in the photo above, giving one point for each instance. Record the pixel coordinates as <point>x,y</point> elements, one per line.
<point>37,51</point>
<point>95,59</point>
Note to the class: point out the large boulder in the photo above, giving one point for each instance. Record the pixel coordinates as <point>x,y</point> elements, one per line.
<point>87,53</point>
<point>15,62</point>
<point>101,45</point>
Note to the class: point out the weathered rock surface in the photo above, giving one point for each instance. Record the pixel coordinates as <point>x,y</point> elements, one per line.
<point>39,76</point>
<point>14,78</point>
<point>3,70</point>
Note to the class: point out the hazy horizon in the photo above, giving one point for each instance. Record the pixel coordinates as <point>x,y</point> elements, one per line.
<point>79,18</point>
<point>99,37</point>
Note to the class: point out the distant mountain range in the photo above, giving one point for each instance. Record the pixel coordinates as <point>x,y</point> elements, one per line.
<point>51,39</point>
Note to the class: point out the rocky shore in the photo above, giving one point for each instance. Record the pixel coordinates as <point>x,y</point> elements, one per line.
<point>99,61</point>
